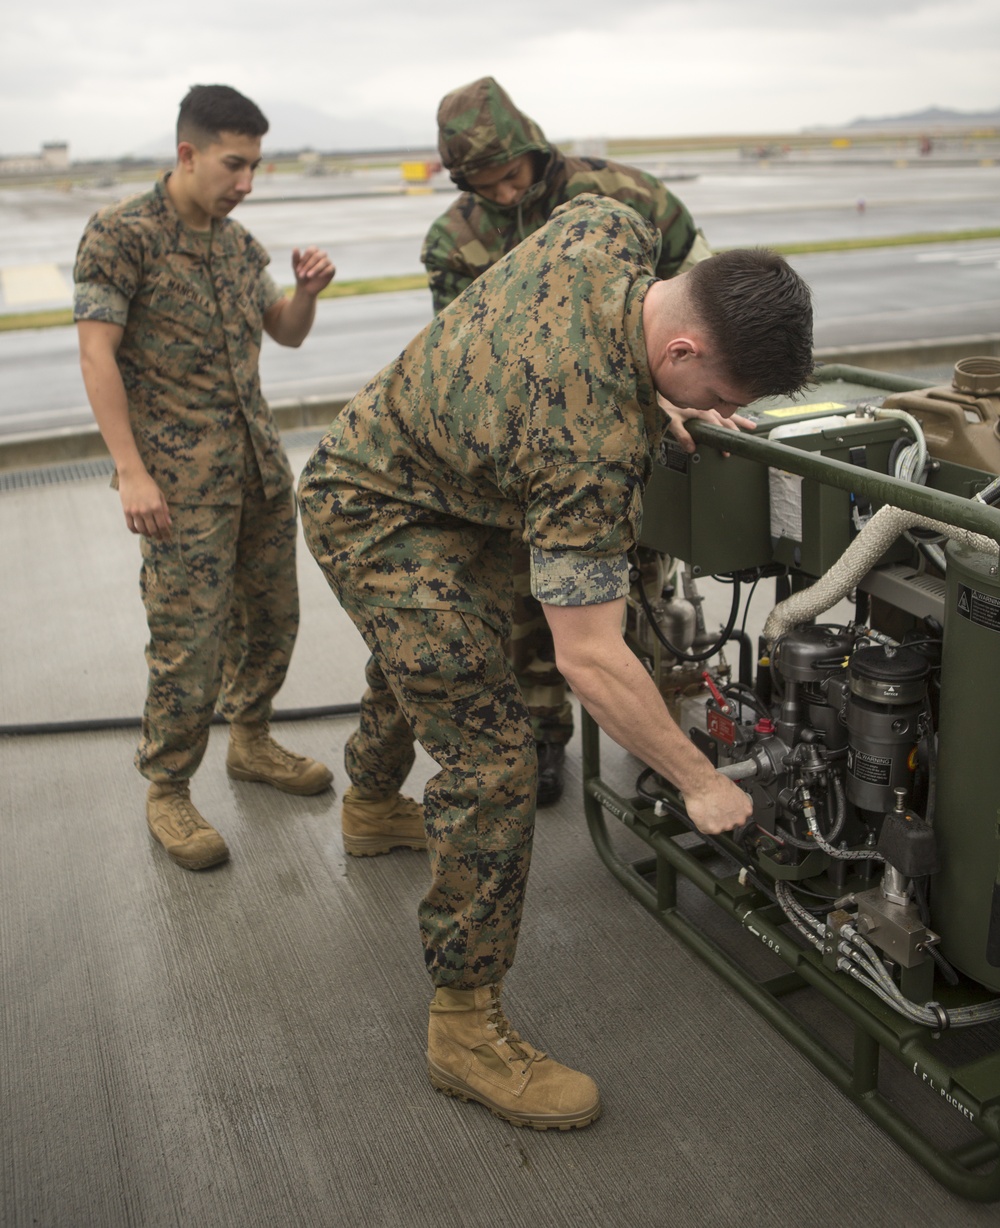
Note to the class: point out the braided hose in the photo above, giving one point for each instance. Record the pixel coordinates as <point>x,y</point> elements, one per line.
<point>857,560</point>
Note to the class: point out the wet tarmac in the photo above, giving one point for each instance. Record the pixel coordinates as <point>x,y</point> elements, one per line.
<point>373,228</point>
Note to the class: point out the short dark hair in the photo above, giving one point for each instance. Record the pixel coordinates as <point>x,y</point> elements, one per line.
<point>209,110</point>
<point>758,312</point>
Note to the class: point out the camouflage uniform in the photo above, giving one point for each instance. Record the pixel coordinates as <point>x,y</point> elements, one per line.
<point>526,406</point>
<point>221,595</point>
<point>478,128</point>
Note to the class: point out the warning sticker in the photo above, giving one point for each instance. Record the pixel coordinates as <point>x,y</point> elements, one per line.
<point>980,608</point>
<point>795,411</point>
<point>676,459</point>
<point>872,769</point>
<point>721,727</point>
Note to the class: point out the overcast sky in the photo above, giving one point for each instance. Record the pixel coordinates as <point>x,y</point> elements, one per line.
<point>108,77</point>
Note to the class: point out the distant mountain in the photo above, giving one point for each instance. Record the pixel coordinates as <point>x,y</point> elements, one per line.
<point>295,127</point>
<point>930,117</point>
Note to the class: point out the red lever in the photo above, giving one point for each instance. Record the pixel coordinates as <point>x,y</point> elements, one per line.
<point>716,694</point>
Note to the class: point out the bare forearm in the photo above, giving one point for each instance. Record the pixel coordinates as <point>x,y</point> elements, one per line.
<point>143,503</point>
<point>109,403</point>
<point>291,325</point>
<point>289,320</point>
<point>618,693</point>
<point>623,699</point>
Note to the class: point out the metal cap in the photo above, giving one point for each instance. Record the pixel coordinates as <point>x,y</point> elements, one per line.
<point>980,376</point>
<point>888,675</point>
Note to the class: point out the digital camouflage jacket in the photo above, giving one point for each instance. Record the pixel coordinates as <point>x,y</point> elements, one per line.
<point>191,305</point>
<point>526,406</point>
<point>479,127</point>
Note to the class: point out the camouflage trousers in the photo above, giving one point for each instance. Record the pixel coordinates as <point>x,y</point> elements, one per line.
<point>532,656</point>
<point>441,677</point>
<point>222,606</point>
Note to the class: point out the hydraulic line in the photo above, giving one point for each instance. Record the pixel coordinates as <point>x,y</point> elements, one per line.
<point>911,463</point>
<point>745,694</point>
<point>678,653</point>
<point>102,723</point>
<point>860,961</point>
<point>809,811</point>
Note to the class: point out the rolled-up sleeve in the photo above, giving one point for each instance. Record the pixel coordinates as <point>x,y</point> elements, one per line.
<point>106,274</point>
<point>569,577</point>
<point>579,527</point>
<point>268,292</point>
<point>92,301</point>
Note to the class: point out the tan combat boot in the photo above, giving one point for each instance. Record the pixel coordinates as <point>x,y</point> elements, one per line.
<point>474,1053</point>
<point>254,755</point>
<point>373,827</point>
<point>174,821</point>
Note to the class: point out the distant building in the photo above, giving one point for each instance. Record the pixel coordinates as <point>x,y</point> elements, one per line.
<point>589,147</point>
<point>54,156</point>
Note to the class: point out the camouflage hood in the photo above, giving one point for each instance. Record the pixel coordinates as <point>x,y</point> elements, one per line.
<point>479,126</point>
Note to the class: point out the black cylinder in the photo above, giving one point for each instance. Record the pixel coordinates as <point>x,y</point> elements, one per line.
<point>887,697</point>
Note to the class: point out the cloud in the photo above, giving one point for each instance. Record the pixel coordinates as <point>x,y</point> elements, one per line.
<point>109,80</point>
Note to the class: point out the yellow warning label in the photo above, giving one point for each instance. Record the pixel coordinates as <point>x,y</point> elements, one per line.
<point>795,411</point>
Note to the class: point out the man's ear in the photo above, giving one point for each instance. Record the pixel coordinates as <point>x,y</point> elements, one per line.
<point>681,349</point>
<point>185,154</point>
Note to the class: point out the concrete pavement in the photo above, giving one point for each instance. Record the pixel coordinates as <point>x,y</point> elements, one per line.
<point>244,1048</point>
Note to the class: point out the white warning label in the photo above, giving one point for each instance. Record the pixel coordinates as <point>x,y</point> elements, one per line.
<point>871,769</point>
<point>980,608</point>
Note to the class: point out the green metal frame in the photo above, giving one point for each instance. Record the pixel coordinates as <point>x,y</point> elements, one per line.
<point>971,1089</point>
<point>880,487</point>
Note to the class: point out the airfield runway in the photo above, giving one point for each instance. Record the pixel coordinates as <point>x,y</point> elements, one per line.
<point>890,294</point>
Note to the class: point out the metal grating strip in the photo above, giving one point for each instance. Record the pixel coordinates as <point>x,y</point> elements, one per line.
<point>57,475</point>
<point>102,467</point>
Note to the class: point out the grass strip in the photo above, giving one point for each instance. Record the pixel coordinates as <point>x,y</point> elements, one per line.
<point>372,285</point>
<point>851,245</point>
<point>35,319</point>
<point>62,316</point>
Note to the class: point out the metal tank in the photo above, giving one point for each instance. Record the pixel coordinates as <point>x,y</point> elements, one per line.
<point>961,421</point>
<point>965,902</point>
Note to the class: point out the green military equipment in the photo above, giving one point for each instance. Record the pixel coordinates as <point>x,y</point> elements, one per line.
<point>868,879</point>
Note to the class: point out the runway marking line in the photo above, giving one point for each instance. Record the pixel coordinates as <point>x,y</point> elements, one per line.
<point>33,283</point>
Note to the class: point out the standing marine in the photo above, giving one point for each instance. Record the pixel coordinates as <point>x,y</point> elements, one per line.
<point>171,298</point>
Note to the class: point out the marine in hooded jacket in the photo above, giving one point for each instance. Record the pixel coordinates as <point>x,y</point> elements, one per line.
<point>512,181</point>
<point>480,131</point>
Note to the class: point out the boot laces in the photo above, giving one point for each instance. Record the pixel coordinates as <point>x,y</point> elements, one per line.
<point>274,751</point>
<point>184,816</point>
<point>188,819</point>
<point>287,758</point>
<point>501,1025</point>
